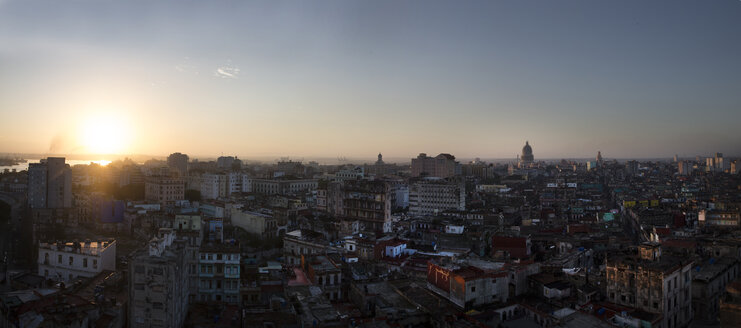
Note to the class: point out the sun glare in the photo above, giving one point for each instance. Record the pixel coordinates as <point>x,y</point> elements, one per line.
<point>104,134</point>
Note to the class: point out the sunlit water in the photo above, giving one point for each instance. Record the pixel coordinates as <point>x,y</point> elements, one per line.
<point>71,162</point>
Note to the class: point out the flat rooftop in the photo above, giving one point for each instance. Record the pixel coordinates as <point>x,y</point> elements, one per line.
<point>86,248</point>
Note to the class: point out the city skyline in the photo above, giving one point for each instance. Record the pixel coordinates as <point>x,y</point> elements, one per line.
<point>630,79</point>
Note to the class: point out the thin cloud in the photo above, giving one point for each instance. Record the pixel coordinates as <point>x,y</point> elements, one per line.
<point>227,72</point>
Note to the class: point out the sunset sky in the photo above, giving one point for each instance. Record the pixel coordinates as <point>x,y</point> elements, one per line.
<point>354,78</point>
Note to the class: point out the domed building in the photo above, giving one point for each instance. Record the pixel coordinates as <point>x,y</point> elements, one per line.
<point>527,154</point>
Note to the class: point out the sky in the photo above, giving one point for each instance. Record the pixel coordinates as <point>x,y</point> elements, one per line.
<point>631,78</point>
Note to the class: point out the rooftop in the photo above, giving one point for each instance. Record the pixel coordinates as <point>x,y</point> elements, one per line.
<point>87,247</point>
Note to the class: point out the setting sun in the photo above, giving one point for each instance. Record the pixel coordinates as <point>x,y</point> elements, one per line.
<point>104,134</point>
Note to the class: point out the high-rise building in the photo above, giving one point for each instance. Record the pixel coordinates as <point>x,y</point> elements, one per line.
<point>164,189</point>
<point>366,201</point>
<point>50,184</point>
<point>441,166</point>
<point>685,168</point>
<point>632,167</point>
<point>158,288</point>
<point>433,196</point>
<point>224,162</point>
<point>189,229</point>
<point>178,162</point>
<point>653,283</point>
<point>711,164</point>
<point>219,272</point>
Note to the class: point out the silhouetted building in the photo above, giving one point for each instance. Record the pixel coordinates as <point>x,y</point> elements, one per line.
<point>50,184</point>
<point>527,154</point>
<point>178,162</point>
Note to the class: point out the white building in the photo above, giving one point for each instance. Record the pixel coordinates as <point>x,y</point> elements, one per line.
<point>273,187</point>
<point>355,173</point>
<point>211,185</point>
<point>395,249</point>
<point>220,185</point>
<point>454,229</point>
<point>65,262</point>
<point>234,182</point>
<point>430,197</point>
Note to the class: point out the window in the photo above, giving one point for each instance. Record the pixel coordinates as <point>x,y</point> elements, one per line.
<point>95,264</point>
<point>59,258</point>
<point>71,260</point>
<point>84,263</point>
<point>218,257</point>
<point>473,289</point>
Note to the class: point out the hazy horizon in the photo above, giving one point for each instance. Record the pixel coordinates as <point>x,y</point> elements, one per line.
<point>633,79</point>
<point>140,158</point>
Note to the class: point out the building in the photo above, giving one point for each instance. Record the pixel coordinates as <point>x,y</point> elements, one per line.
<point>511,247</point>
<point>219,272</point>
<point>189,229</point>
<point>433,196</point>
<point>468,285</point>
<point>652,283</point>
<point>299,244</point>
<point>50,184</point>
<point>65,262</point>
<point>164,189</point>
<point>264,226</point>
<point>213,186</point>
<point>158,294</point>
<point>709,281</point>
<point>326,275</point>
<point>718,218</point>
<point>282,186</point>
<point>225,162</point>
<point>441,166</point>
<point>685,168</point>
<point>527,154</point>
<point>178,162</point>
<point>355,173</point>
<point>380,168</point>
<point>366,201</point>
<point>221,185</point>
